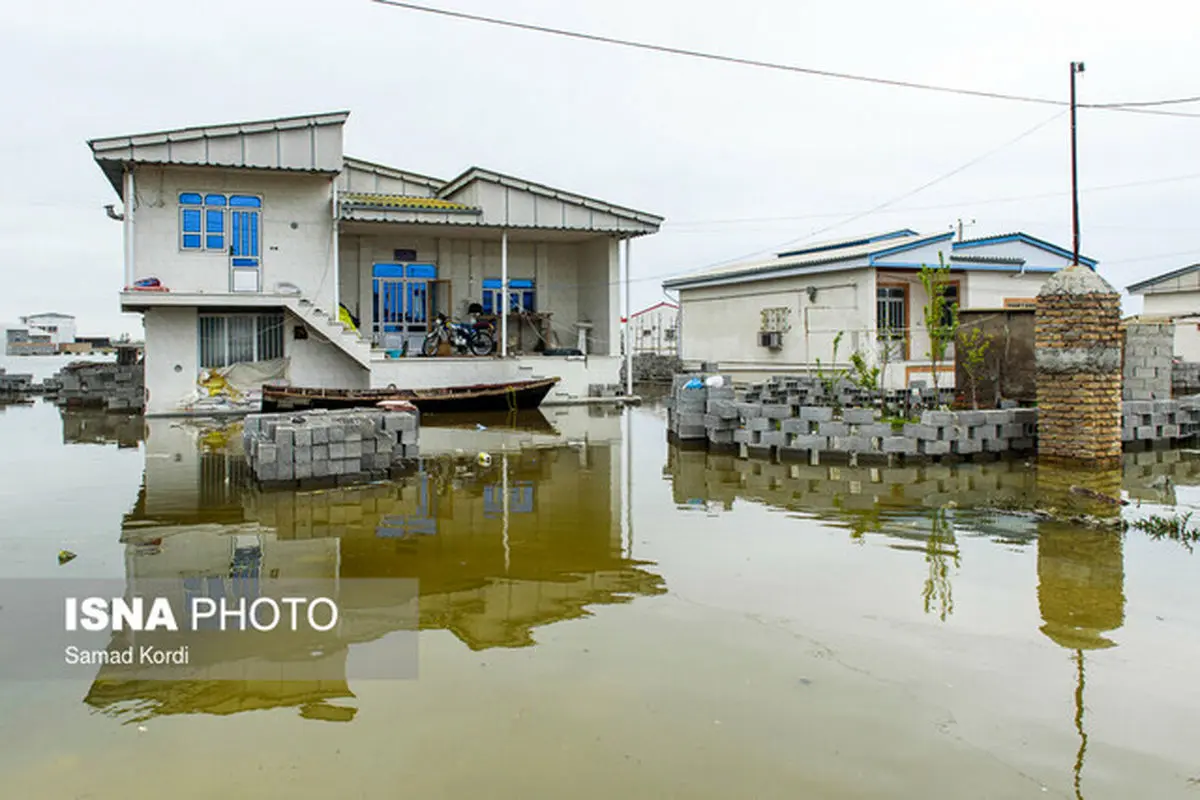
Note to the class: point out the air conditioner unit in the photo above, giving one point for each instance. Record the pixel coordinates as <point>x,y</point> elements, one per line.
<point>771,339</point>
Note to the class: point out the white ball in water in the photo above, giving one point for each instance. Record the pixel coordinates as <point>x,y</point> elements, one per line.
<point>484,459</point>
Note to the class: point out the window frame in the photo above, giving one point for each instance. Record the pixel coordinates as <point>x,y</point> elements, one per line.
<point>204,234</point>
<point>905,308</point>
<point>265,324</point>
<point>522,296</point>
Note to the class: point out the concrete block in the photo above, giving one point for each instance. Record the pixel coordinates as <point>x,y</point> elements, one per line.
<point>1025,416</point>
<point>773,439</point>
<point>899,444</point>
<point>794,426</point>
<point>968,446</point>
<point>809,442</point>
<point>320,433</point>
<point>927,433</point>
<point>268,453</point>
<point>875,430</point>
<point>1023,445</point>
<point>303,470</point>
<point>938,418</point>
<point>303,455</point>
<point>851,444</point>
<point>368,446</point>
<point>285,471</point>
<point>337,434</point>
<point>1169,432</point>
<point>748,410</point>
<point>353,434</point>
<point>302,437</point>
<point>354,448</point>
<point>970,418</point>
<point>816,414</point>
<point>1146,432</point>
<point>858,416</point>
<point>337,450</point>
<point>758,424</point>
<point>743,436</point>
<point>772,411</point>
<point>934,447</point>
<point>284,434</point>
<point>839,429</point>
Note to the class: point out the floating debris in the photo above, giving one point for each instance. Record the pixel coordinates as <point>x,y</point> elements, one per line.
<point>65,555</point>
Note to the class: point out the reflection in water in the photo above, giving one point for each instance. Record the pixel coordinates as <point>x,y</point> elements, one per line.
<point>499,551</point>
<point>1080,570</point>
<point>93,426</point>
<point>1081,597</point>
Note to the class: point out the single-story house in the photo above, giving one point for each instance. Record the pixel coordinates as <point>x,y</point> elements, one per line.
<point>262,245</point>
<point>1175,296</point>
<point>59,327</point>
<point>785,314</point>
<point>655,329</point>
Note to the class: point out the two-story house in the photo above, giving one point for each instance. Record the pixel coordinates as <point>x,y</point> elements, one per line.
<point>246,243</point>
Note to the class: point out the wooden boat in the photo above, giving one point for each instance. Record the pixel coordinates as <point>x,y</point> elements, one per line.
<point>518,396</point>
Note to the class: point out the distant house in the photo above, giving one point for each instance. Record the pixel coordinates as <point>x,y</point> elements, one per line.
<point>1175,296</point>
<point>20,342</point>
<point>59,327</point>
<point>785,314</point>
<point>655,330</point>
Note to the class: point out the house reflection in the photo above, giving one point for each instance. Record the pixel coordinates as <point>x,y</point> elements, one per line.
<point>497,552</point>
<point>95,426</point>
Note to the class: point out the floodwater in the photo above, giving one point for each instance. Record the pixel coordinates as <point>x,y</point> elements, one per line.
<point>604,616</point>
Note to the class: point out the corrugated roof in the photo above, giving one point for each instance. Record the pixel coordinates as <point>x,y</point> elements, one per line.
<point>404,202</point>
<point>853,241</point>
<point>811,259</point>
<point>1014,260</point>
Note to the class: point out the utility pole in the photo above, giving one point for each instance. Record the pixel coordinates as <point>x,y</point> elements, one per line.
<point>1076,68</point>
<point>960,227</point>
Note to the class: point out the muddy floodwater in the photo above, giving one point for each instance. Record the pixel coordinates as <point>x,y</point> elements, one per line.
<point>602,615</point>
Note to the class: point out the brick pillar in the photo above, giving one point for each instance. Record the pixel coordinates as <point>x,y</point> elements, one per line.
<point>1078,351</point>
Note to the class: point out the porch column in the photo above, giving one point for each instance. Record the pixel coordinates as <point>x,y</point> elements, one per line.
<point>503,310</point>
<point>128,200</point>
<point>628,327</point>
<point>337,262</point>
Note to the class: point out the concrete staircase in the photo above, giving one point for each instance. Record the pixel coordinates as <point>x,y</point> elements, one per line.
<point>329,327</point>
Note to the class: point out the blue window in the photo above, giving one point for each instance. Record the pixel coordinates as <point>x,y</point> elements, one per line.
<point>522,295</point>
<point>520,499</point>
<point>205,222</point>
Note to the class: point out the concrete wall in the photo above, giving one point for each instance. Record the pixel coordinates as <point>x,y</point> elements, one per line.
<point>599,281</point>
<point>721,323</point>
<point>319,363</point>
<point>171,357</point>
<point>301,255</point>
<point>63,327</point>
<point>1147,361</point>
<point>1187,331</point>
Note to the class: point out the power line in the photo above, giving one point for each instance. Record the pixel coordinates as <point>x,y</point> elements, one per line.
<point>751,62</point>
<point>939,207</point>
<point>855,217</point>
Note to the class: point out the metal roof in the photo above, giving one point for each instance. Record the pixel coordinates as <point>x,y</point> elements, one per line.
<point>404,202</point>
<point>1014,260</point>
<point>837,244</point>
<point>479,174</point>
<point>392,172</point>
<point>798,264</point>
<point>48,314</point>
<point>299,144</point>
<point>1021,236</point>
<point>1166,276</point>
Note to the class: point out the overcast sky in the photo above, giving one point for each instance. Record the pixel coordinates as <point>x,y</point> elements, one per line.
<point>739,160</point>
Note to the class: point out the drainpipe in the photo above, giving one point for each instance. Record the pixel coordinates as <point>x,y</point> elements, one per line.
<point>503,310</point>
<point>337,265</point>
<point>128,200</point>
<point>628,327</point>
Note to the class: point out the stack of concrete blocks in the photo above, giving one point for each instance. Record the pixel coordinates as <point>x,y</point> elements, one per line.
<point>1185,378</point>
<point>14,383</point>
<point>973,433</point>
<point>688,410</point>
<point>1149,422</point>
<point>329,446</point>
<point>116,387</point>
<point>1149,351</point>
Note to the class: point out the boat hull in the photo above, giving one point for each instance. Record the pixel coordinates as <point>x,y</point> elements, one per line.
<point>518,396</point>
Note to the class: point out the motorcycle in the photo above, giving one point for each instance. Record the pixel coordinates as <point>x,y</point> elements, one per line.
<point>477,339</point>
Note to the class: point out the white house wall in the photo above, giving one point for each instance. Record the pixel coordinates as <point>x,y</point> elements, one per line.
<point>1034,256</point>
<point>296,230</point>
<point>722,323</point>
<point>577,373</point>
<point>985,290</point>
<point>171,357</point>
<point>1187,331</point>
<point>317,362</point>
<point>599,294</point>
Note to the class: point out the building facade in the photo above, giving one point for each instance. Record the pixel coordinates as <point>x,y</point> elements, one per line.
<point>655,330</point>
<point>262,243</point>
<point>1175,296</point>
<point>813,308</point>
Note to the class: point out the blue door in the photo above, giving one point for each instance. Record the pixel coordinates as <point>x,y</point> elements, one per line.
<point>400,297</point>
<point>245,258</point>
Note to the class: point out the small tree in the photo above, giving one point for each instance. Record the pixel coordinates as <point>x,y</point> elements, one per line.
<point>941,315</point>
<point>972,353</point>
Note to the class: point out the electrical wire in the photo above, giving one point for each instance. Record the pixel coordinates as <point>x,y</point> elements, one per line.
<point>1138,107</point>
